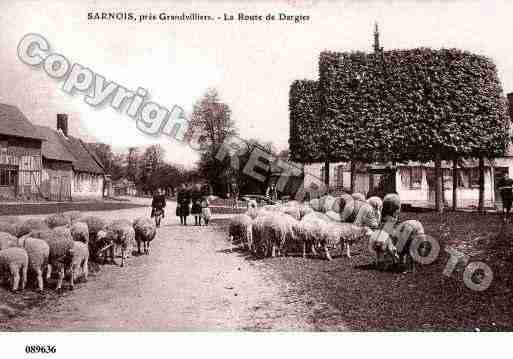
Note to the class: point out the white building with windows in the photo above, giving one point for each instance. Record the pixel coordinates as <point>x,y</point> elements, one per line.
<point>415,181</point>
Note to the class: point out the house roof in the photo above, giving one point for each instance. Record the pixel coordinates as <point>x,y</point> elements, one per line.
<point>53,148</point>
<point>93,153</point>
<point>14,123</point>
<point>83,160</point>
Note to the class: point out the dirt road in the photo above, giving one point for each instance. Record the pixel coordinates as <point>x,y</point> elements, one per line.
<point>190,281</point>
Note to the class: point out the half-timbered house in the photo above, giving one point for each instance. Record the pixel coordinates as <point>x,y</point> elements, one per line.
<point>20,156</point>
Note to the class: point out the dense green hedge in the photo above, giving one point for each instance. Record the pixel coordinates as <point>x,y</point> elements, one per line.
<point>405,105</point>
<point>305,139</point>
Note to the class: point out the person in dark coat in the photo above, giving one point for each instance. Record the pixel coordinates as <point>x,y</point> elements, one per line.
<point>196,198</point>
<point>158,203</point>
<point>506,192</point>
<point>183,200</point>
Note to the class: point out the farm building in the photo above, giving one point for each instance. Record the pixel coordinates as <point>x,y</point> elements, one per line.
<point>20,156</point>
<point>88,175</point>
<point>414,181</point>
<point>39,163</point>
<point>57,171</point>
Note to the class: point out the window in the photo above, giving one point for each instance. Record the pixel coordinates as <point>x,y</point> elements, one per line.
<point>411,177</point>
<point>467,178</point>
<point>94,183</point>
<point>8,177</point>
<point>3,156</point>
<point>474,177</point>
<point>447,176</point>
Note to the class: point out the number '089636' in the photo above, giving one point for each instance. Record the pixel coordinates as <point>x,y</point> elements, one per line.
<point>40,349</point>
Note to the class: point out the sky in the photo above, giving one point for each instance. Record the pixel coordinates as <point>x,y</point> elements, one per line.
<point>251,64</point>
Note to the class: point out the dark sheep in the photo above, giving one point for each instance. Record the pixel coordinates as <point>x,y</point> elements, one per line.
<point>145,232</point>
<point>57,220</point>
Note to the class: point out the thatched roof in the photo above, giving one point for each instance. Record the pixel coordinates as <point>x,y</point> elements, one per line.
<point>14,123</point>
<point>93,153</point>
<point>53,148</point>
<point>83,160</point>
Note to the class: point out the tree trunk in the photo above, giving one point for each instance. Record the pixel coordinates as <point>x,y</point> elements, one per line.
<point>480,206</point>
<point>353,176</point>
<point>327,176</point>
<point>439,204</point>
<point>454,183</point>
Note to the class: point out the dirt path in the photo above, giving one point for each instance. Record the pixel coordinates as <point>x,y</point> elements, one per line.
<point>190,281</point>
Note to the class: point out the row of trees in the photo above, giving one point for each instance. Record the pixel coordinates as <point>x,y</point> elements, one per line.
<point>401,105</point>
<point>212,125</point>
<point>146,168</point>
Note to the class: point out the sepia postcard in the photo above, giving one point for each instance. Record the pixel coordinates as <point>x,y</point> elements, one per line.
<point>290,166</point>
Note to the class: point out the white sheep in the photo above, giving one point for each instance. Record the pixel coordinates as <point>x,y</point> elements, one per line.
<point>61,252</point>
<point>358,196</point>
<point>315,204</point>
<point>79,261</point>
<point>14,262</point>
<point>73,216</point>
<point>314,231</point>
<point>364,215</point>
<point>5,240</point>
<point>80,232</point>
<point>145,232</point>
<point>64,231</point>
<point>278,229</point>
<point>38,253</point>
<point>327,233</point>
<point>10,225</point>
<point>240,230</point>
<point>344,235</point>
<point>292,211</point>
<point>259,244</point>
<point>326,203</point>
<point>29,225</point>
<point>403,236</point>
<point>381,244</point>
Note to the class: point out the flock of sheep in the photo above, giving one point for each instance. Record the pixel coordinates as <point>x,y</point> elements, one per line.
<point>65,242</point>
<point>325,224</point>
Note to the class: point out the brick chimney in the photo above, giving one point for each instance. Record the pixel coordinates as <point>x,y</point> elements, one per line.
<point>62,123</point>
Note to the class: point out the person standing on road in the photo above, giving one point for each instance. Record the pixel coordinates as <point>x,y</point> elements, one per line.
<point>183,201</point>
<point>158,203</point>
<point>235,194</point>
<point>196,204</point>
<point>205,210</point>
<point>506,191</point>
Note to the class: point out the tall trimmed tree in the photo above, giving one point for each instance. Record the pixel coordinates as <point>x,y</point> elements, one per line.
<point>401,105</point>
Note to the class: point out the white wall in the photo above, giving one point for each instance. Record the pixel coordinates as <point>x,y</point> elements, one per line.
<point>86,186</point>
<point>465,196</point>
